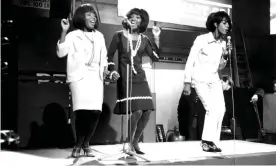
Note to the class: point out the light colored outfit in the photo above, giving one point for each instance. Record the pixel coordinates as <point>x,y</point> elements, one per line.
<point>202,72</point>
<point>86,60</point>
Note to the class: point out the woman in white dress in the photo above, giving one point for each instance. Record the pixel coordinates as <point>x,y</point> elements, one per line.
<point>86,68</point>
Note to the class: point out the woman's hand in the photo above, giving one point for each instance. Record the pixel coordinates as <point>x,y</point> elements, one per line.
<point>114,76</point>
<point>156,31</point>
<point>227,51</point>
<point>187,89</point>
<point>254,98</point>
<point>65,25</point>
<point>229,46</point>
<point>106,73</point>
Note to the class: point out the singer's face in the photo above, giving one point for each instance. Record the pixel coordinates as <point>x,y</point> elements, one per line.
<point>90,20</point>
<point>274,87</point>
<point>223,27</point>
<point>135,21</point>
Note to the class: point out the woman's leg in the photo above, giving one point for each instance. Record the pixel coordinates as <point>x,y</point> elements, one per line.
<point>220,106</point>
<point>80,131</point>
<point>211,96</point>
<point>135,117</point>
<point>209,128</point>
<point>141,125</point>
<point>91,121</point>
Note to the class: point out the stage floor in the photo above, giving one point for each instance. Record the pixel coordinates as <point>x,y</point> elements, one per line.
<point>189,152</point>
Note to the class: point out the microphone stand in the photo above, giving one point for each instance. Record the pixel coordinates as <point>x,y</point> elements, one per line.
<point>232,95</point>
<point>233,102</point>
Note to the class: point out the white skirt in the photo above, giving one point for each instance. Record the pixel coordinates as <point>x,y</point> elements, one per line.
<point>87,93</point>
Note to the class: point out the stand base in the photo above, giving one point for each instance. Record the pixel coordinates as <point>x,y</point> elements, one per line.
<point>128,154</point>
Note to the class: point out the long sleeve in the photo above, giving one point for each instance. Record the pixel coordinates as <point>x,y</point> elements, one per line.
<point>224,57</point>
<point>197,46</point>
<point>152,50</point>
<point>64,48</point>
<point>222,63</point>
<point>111,51</point>
<point>104,53</point>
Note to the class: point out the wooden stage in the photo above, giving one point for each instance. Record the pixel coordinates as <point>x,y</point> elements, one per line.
<point>234,152</point>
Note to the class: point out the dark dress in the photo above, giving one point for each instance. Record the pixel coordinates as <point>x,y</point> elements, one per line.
<point>139,93</point>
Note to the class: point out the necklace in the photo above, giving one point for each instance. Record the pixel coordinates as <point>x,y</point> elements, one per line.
<point>133,51</point>
<point>93,49</point>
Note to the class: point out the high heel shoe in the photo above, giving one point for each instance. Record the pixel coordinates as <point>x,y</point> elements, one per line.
<point>216,149</point>
<point>208,146</point>
<point>76,152</point>
<point>137,149</point>
<point>88,152</point>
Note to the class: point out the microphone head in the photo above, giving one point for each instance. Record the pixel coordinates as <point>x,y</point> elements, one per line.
<point>126,24</point>
<point>228,37</point>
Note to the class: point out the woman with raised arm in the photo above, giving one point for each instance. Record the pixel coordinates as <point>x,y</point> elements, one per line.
<point>86,68</point>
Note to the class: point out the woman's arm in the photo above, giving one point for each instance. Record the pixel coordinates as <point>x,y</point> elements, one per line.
<point>197,46</point>
<point>110,57</point>
<point>222,63</point>
<point>104,57</point>
<point>225,55</point>
<point>63,44</point>
<point>104,52</point>
<point>111,51</point>
<point>152,50</point>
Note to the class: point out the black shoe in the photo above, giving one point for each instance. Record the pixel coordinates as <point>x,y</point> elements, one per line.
<point>88,152</point>
<point>76,152</point>
<point>216,149</point>
<point>137,149</point>
<point>208,146</point>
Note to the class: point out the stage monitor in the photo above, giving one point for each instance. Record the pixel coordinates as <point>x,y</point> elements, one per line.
<point>272,17</point>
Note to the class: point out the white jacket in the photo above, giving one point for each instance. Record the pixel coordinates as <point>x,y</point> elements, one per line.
<point>204,59</point>
<point>76,47</point>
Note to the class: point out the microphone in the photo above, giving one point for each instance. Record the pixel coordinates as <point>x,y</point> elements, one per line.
<point>229,42</point>
<point>126,24</point>
<point>229,39</point>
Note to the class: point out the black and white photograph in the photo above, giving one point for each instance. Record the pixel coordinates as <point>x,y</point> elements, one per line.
<point>138,82</point>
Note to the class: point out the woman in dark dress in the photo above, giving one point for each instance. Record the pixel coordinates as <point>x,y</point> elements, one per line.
<point>132,45</point>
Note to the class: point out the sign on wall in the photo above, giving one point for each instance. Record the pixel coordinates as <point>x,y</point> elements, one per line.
<point>39,4</point>
<point>182,12</point>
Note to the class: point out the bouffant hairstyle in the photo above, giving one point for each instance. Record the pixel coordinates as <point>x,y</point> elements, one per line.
<point>144,18</point>
<point>79,16</point>
<point>217,17</point>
